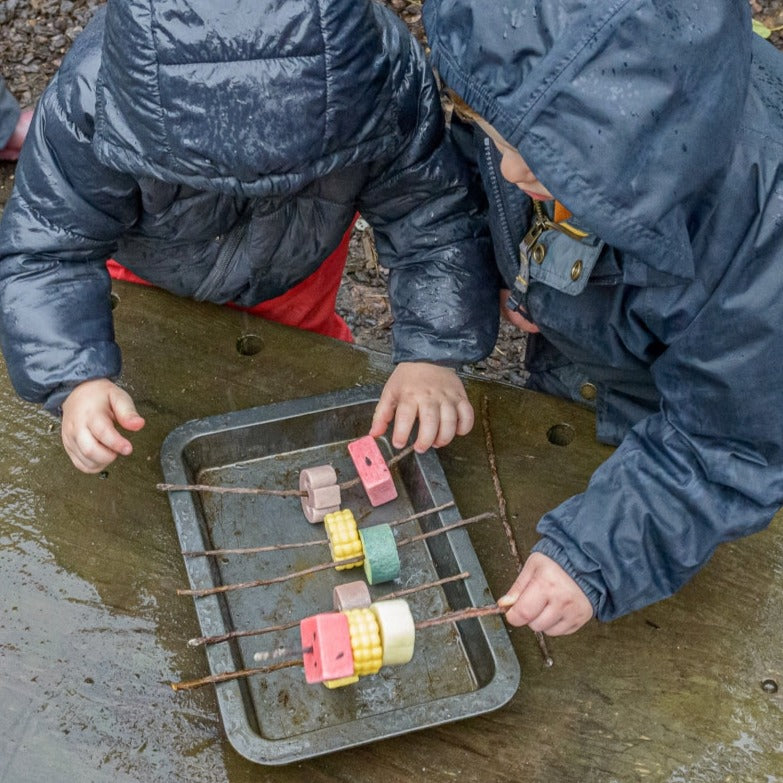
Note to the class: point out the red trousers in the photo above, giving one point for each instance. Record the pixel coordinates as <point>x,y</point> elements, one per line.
<point>308,305</point>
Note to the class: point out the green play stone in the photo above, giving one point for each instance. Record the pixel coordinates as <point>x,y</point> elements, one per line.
<point>381,561</point>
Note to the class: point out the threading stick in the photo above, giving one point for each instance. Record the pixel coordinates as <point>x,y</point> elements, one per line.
<point>512,544</point>
<point>449,617</point>
<point>317,542</point>
<point>227,637</point>
<point>283,493</point>
<point>323,566</point>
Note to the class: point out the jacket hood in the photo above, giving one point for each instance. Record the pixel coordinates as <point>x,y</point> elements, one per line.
<point>252,96</point>
<point>626,110</point>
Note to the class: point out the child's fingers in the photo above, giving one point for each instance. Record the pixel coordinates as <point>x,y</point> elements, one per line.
<point>447,426</point>
<point>465,417</point>
<point>429,413</point>
<point>549,617</point>
<point>519,586</point>
<point>382,416</point>
<point>527,608</point>
<point>404,419</point>
<point>88,454</point>
<point>124,411</point>
<point>565,626</point>
<point>546,598</point>
<point>106,436</point>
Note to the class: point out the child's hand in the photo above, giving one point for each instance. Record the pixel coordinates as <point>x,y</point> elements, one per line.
<point>546,598</point>
<point>434,394</point>
<point>89,414</point>
<point>513,317</point>
<point>14,145</point>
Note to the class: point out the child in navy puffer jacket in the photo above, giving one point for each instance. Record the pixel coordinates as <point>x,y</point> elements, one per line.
<point>222,156</point>
<point>631,155</point>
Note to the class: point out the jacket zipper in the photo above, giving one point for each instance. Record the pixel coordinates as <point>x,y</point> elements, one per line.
<point>542,222</point>
<point>223,260</point>
<point>498,194</point>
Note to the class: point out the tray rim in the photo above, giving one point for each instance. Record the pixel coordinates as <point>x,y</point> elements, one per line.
<point>247,742</point>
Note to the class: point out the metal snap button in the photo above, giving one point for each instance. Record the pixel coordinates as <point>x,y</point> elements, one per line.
<point>576,270</point>
<point>539,253</point>
<point>588,391</point>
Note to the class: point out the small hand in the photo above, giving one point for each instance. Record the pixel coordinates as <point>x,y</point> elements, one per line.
<point>546,598</point>
<point>432,393</point>
<point>89,414</point>
<point>513,317</point>
<point>14,145</point>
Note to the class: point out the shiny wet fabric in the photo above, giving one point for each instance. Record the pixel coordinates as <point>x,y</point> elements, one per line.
<point>659,126</point>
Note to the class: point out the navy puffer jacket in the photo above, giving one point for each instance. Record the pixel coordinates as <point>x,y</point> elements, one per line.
<point>9,113</point>
<point>221,154</point>
<point>659,125</point>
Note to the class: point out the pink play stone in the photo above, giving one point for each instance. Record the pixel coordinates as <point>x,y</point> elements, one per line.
<point>323,492</point>
<point>326,643</point>
<point>373,470</point>
<point>351,595</point>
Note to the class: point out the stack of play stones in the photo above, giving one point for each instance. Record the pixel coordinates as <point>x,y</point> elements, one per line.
<point>376,544</point>
<point>340,647</point>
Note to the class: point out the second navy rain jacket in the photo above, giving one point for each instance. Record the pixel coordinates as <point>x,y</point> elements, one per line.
<point>659,125</point>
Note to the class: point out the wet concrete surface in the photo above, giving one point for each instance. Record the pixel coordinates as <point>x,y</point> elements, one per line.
<point>92,630</point>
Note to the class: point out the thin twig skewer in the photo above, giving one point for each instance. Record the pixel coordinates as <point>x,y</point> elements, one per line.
<point>460,614</point>
<point>274,580</point>
<point>227,637</point>
<point>282,493</point>
<point>448,617</point>
<point>236,675</point>
<point>316,542</point>
<point>446,528</point>
<point>512,544</point>
<point>201,592</point>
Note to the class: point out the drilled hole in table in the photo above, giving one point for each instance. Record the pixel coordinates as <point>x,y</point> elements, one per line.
<point>249,345</point>
<point>560,434</point>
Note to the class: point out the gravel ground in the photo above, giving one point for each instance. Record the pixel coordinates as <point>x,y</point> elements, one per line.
<point>35,35</point>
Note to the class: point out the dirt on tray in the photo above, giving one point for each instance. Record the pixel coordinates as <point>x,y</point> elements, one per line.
<point>37,33</point>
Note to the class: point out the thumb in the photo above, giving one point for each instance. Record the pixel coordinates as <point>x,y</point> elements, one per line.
<point>125,412</point>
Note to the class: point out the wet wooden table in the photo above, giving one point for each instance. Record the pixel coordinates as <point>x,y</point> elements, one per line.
<point>91,628</point>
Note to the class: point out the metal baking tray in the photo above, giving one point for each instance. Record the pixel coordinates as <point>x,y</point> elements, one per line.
<point>458,669</point>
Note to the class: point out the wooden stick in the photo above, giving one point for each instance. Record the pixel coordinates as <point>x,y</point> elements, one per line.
<point>459,615</point>
<point>263,582</point>
<point>448,617</point>
<point>417,588</point>
<point>512,544</point>
<point>227,637</point>
<point>250,550</point>
<point>324,566</point>
<point>316,542</point>
<point>420,514</point>
<point>446,528</point>
<point>282,493</point>
<point>226,676</point>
